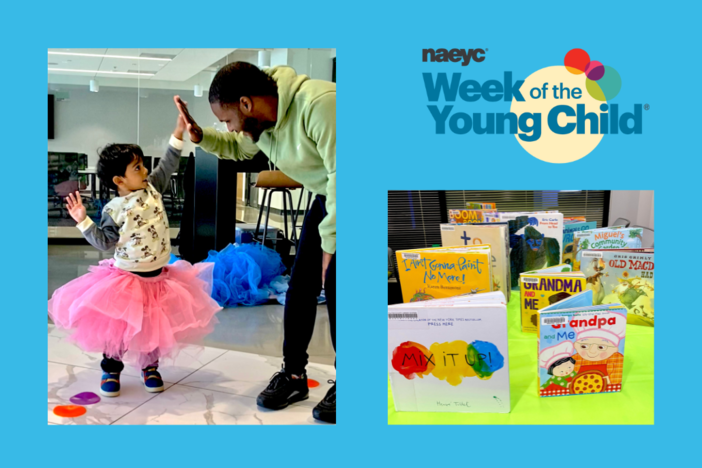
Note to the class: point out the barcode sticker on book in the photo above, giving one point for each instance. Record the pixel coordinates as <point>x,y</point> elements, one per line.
<point>530,280</point>
<point>448,228</point>
<point>554,320</point>
<point>587,254</point>
<point>402,315</point>
<point>411,256</point>
<point>506,216</point>
<point>581,234</point>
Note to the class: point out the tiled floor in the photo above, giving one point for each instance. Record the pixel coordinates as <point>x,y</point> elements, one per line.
<point>204,386</point>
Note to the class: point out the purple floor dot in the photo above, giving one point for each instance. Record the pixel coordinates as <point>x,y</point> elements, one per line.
<point>85,398</point>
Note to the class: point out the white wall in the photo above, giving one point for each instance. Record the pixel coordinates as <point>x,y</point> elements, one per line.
<point>634,205</point>
<point>88,121</point>
<point>316,64</point>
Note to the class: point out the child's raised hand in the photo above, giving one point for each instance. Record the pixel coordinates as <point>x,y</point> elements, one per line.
<point>74,203</point>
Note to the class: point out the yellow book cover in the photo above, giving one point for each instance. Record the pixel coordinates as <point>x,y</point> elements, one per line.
<point>541,288</point>
<point>468,216</point>
<point>440,272</point>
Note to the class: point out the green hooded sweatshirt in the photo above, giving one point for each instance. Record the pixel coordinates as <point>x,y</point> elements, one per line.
<point>302,144</point>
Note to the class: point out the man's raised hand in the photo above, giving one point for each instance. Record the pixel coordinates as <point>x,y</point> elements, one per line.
<point>193,128</point>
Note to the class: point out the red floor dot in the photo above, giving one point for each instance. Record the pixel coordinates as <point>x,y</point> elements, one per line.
<point>69,411</point>
<point>312,383</point>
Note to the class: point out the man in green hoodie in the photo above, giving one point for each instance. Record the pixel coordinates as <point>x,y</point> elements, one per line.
<point>292,119</point>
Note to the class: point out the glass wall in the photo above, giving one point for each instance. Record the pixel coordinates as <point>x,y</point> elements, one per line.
<point>103,96</point>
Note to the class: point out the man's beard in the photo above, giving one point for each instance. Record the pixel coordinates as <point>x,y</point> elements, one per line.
<point>255,127</point>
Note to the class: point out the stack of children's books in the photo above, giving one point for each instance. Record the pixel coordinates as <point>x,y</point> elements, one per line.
<point>450,355</point>
<point>581,347</point>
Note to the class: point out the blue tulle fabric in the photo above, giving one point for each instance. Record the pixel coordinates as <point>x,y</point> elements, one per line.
<point>243,273</point>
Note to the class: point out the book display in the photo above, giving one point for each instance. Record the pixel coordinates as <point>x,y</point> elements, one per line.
<point>555,284</point>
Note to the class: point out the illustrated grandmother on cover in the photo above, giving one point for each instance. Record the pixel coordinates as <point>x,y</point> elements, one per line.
<point>591,364</point>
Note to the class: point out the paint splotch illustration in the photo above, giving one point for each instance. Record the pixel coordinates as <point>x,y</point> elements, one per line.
<point>451,361</point>
<point>410,359</point>
<point>486,358</point>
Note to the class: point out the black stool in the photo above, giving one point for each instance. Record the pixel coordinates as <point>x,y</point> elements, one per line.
<point>272,182</point>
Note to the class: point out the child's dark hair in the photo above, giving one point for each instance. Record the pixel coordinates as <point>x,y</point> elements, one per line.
<point>114,160</point>
<point>558,363</point>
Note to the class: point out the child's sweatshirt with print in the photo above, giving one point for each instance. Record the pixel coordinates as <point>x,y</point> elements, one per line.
<point>136,225</point>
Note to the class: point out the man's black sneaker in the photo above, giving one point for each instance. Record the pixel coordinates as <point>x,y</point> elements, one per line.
<point>326,409</point>
<point>283,390</point>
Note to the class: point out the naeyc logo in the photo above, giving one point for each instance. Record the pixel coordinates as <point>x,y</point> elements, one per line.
<point>558,114</point>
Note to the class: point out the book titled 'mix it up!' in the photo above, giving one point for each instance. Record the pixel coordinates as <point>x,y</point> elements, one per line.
<point>450,355</point>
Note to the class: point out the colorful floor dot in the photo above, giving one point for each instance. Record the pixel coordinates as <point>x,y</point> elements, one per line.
<point>312,383</point>
<point>85,398</point>
<point>69,411</point>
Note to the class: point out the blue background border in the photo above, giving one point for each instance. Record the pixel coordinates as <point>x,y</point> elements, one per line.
<point>385,141</point>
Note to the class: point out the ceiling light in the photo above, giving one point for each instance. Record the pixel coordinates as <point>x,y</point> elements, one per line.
<point>94,86</point>
<point>97,71</point>
<point>112,56</point>
<point>198,90</point>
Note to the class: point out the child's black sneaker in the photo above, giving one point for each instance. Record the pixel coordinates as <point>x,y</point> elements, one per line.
<point>283,390</point>
<point>326,409</point>
<point>109,385</point>
<point>152,380</point>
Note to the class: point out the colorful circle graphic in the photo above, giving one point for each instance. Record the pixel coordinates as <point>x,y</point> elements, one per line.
<point>607,87</point>
<point>594,70</point>
<point>576,61</point>
<point>602,82</point>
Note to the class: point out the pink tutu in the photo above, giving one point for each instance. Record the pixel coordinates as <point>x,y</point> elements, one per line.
<point>137,319</point>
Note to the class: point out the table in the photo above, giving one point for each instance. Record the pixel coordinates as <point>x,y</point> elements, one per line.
<point>92,172</point>
<point>634,405</point>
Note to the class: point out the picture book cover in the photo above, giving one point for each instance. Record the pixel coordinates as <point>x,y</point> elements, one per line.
<point>481,206</point>
<point>450,355</point>
<point>569,229</point>
<point>467,216</point>
<point>607,239</point>
<point>542,288</point>
<point>504,216</point>
<point>575,219</point>
<point>535,241</point>
<point>622,276</point>
<point>494,235</point>
<point>581,348</point>
<point>439,272</point>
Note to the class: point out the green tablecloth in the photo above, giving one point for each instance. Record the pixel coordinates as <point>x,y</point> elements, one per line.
<point>633,405</point>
